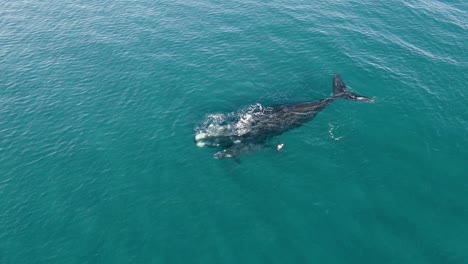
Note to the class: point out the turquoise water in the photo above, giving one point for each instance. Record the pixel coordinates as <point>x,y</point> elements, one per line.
<point>99,101</point>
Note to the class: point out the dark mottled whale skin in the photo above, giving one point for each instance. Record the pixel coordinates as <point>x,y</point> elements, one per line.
<point>274,121</point>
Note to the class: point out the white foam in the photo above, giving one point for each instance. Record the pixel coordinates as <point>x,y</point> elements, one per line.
<point>226,125</point>
<point>332,135</point>
<point>200,144</point>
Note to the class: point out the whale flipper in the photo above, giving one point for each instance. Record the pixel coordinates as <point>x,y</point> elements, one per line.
<point>239,149</point>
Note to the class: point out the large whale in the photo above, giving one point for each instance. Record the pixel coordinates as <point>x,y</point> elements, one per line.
<point>252,130</point>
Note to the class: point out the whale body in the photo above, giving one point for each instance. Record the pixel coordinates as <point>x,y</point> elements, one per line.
<point>253,129</point>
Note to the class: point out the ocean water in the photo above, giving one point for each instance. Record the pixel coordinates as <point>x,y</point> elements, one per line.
<point>99,101</point>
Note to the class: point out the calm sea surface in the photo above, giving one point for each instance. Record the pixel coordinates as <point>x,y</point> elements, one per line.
<point>99,101</point>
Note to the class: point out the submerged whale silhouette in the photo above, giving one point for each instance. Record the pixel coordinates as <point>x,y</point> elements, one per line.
<point>252,131</point>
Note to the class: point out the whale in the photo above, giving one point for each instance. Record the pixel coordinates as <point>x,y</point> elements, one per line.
<point>250,131</point>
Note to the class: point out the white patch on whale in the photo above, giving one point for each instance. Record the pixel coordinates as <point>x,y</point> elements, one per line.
<point>200,136</point>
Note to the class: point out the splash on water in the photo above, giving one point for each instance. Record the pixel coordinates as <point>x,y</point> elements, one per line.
<point>229,126</point>
<point>331,132</point>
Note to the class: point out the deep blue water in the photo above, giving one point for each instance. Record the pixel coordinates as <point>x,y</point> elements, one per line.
<point>99,102</point>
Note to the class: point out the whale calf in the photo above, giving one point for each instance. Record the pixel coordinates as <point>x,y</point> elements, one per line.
<point>250,130</point>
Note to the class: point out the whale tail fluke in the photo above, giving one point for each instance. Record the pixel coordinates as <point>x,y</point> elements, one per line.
<point>341,91</point>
